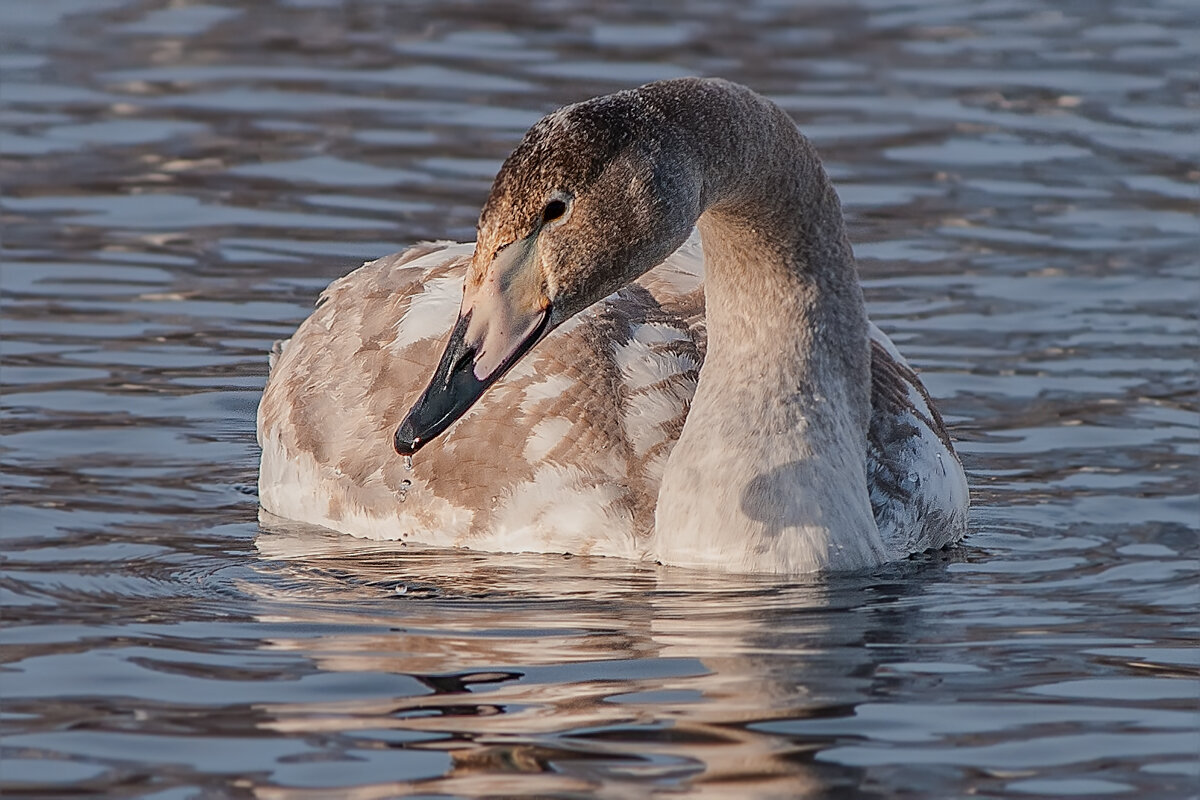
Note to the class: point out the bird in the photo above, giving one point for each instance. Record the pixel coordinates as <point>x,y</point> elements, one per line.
<point>656,349</point>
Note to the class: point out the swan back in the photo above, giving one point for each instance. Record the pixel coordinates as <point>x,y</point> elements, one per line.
<point>565,453</point>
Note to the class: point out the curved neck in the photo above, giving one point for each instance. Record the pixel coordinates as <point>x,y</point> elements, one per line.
<point>779,269</point>
<point>770,467</point>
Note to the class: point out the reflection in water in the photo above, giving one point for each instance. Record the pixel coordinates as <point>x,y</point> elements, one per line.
<point>554,665</point>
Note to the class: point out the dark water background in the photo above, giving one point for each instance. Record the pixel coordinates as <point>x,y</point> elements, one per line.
<point>179,181</point>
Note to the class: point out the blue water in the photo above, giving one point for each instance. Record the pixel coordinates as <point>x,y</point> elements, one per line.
<point>179,181</point>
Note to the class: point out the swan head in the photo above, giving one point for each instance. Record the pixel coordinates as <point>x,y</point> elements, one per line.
<point>595,195</point>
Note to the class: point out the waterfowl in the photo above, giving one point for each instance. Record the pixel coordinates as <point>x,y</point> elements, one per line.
<point>657,349</point>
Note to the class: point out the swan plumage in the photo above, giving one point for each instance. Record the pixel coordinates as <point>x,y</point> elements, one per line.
<point>575,445</point>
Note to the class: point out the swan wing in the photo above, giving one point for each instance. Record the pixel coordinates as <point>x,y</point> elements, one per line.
<point>564,454</point>
<point>918,487</point>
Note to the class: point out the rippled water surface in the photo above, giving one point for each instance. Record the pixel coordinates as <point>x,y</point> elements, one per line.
<point>181,178</point>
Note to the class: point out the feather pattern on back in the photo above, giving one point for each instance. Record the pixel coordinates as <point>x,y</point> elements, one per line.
<point>566,452</point>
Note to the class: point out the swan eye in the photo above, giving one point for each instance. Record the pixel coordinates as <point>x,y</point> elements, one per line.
<point>554,210</point>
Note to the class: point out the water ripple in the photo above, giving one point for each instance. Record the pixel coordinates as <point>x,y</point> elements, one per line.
<point>181,180</point>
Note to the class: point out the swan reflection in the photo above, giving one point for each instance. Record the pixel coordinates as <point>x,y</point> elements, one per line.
<point>542,674</point>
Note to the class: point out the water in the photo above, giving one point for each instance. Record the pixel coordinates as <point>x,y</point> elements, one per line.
<point>180,179</point>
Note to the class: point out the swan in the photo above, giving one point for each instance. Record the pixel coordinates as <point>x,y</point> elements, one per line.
<point>656,349</point>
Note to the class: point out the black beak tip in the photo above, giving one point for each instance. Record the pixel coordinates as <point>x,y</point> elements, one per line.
<point>407,442</point>
<point>454,388</point>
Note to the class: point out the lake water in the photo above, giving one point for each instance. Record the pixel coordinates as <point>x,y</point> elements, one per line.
<point>180,179</point>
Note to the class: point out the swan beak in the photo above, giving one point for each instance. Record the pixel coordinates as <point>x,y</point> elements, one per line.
<point>502,317</point>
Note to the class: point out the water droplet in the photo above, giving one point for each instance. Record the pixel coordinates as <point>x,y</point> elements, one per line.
<point>403,492</point>
<point>941,463</point>
<point>408,463</point>
<point>401,589</point>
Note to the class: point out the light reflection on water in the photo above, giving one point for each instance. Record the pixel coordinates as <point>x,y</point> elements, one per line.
<point>180,180</point>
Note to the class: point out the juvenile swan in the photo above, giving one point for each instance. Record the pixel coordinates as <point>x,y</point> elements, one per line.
<point>617,387</point>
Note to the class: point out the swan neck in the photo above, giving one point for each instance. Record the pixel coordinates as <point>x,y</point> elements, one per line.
<point>780,271</point>
<point>769,472</point>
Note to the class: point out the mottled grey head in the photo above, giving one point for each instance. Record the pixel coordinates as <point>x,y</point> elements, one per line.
<point>602,187</point>
<point>595,195</point>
